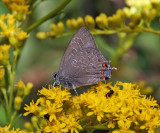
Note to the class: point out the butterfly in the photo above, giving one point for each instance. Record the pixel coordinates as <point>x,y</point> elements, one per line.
<point>82,63</point>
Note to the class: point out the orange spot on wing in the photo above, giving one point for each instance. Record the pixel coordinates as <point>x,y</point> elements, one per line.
<point>102,72</point>
<point>103,77</point>
<point>99,60</point>
<point>104,65</point>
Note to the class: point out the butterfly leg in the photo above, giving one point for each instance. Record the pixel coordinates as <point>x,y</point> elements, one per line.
<point>75,90</point>
<point>54,83</point>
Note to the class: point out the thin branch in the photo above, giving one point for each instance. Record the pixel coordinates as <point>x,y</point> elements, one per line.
<point>52,14</point>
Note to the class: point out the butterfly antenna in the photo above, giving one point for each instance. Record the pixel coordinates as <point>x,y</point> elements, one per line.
<point>46,84</point>
<point>49,81</point>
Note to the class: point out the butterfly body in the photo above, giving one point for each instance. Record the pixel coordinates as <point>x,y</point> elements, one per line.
<point>82,63</point>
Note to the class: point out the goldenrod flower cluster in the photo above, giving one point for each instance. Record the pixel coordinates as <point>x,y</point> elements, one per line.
<point>22,91</point>
<point>124,110</point>
<point>15,35</point>
<point>7,129</point>
<point>138,13</point>
<point>12,40</point>
<point>19,8</point>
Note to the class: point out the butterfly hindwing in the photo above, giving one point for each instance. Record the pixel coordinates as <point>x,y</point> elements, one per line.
<point>86,67</point>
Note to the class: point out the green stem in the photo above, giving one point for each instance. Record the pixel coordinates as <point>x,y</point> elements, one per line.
<point>9,87</point>
<point>12,76</point>
<point>13,117</point>
<point>53,13</point>
<point>125,44</point>
<point>5,97</point>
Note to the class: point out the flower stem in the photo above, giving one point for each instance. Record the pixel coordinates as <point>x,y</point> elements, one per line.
<point>12,76</point>
<point>125,43</point>
<point>52,14</point>
<point>13,117</point>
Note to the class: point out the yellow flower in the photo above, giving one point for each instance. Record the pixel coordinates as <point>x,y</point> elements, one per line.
<point>6,129</point>
<point>55,127</point>
<point>56,93</point>
<point>22,35</point>
<point>126,110</point>
<point>33,108</point>
<point>19,8</point>
<point>22,89</point>
<point>9,30</point>
<point>51,110</point>
<point>4,54</point>
<point>139,3</point>
<point>71,123</point>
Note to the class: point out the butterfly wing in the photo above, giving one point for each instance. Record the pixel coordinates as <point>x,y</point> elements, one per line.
<point>87,67</point>
<point>82,62</point>
<point>81,39</point>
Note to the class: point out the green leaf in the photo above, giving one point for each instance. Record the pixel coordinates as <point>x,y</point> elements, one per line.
<point>3,8</point>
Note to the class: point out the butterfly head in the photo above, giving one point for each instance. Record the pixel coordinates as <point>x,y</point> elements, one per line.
<point>56,78</point>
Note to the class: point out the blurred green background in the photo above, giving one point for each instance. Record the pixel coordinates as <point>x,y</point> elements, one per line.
<point>41,58</point>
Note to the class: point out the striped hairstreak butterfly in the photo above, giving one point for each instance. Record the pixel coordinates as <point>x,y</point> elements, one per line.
<point>82,63</point>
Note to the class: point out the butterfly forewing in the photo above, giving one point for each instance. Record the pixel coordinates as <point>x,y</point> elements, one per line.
<point>81,40</point>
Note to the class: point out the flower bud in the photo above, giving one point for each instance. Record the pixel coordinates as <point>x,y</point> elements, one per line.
<point>53,27</point>
<point>28,126</point>
<point>111,23</point>
<point>13,40</point>
<point>20,16</point>
<point>2,72</point>
<point>52,34</point>
<point>4,54</point>
<point>60,28</point>
<point>42,35</point>
<point>28,88</point>
<point>99,22</point>
<point>104,17</point>
<point>74,24</point>
<point>135,20</point>
<point>121,15</point>
<point>20,86</point>
<point>17,102</point>
<point>34,120</point>
<point>80,22</point>
<point>69,24</point>
<point>89,21</point>
<point>148,15</point>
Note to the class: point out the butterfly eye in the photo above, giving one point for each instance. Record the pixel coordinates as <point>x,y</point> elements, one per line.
<point>55,75</point>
